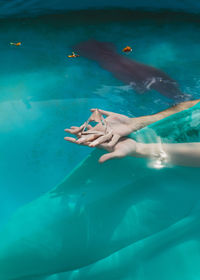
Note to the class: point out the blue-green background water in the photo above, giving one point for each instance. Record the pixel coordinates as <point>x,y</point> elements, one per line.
<point>42,91</point>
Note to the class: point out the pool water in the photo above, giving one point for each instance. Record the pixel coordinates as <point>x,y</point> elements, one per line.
<point>43,91</point>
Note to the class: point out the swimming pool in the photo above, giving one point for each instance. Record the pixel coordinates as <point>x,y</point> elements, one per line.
<point>42,92</point>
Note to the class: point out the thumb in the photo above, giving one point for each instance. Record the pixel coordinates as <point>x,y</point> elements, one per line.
<point>114,141</point>
<point>109,156</point>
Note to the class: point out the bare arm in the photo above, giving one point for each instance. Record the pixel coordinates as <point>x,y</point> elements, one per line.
<point>146,120</point>
<point>119,126</point>
<point>186,154</point>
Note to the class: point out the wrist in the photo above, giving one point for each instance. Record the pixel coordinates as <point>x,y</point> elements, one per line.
<point>146,150</point>
<point>150,150</point>
<point>140,122</point>
<point>140,150</point>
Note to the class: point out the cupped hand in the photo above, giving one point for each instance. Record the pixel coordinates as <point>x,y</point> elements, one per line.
<point>84,136</point>
<point>116,126</point>
<point>125,147</point>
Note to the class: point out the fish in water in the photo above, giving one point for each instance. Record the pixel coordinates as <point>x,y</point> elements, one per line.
<point>127,49</point>
<point>16,44</point>
<point>73,55</point>
<point>140,76</point>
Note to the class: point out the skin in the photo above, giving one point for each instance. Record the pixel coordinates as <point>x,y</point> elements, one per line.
<point>183,154</point>
<point>119,126</point>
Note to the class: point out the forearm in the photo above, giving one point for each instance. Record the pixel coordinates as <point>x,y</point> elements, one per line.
<point>146,120</point>
<point>186,154</point>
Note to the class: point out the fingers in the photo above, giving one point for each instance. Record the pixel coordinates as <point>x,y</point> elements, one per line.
<point>109,146</point>
<point>89,126</point>
<point>69,130</point>
<point>109,156</point>
<point>87,138</point>
<point>70,139</point>
<point>75,129</point>
<point>92,132</point>
<point>106,147</point>
<point>114,140</point>
<point>103,112</point>
<point>101,140</point>
<point>74,140</point>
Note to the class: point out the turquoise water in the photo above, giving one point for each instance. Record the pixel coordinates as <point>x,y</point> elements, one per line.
<point>42,92</point>
<point>34,7</point>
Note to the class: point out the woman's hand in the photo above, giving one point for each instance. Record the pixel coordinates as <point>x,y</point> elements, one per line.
<point>116,126</point>
<point>125,147</point>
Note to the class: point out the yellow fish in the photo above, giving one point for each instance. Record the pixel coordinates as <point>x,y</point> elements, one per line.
<point>73,55</point>
<point>127,49</point>
<point>16,44</point>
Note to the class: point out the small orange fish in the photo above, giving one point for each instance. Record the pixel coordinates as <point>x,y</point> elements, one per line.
<point>127,49</point>
<point>73,55</point>
<point>16,44</point>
